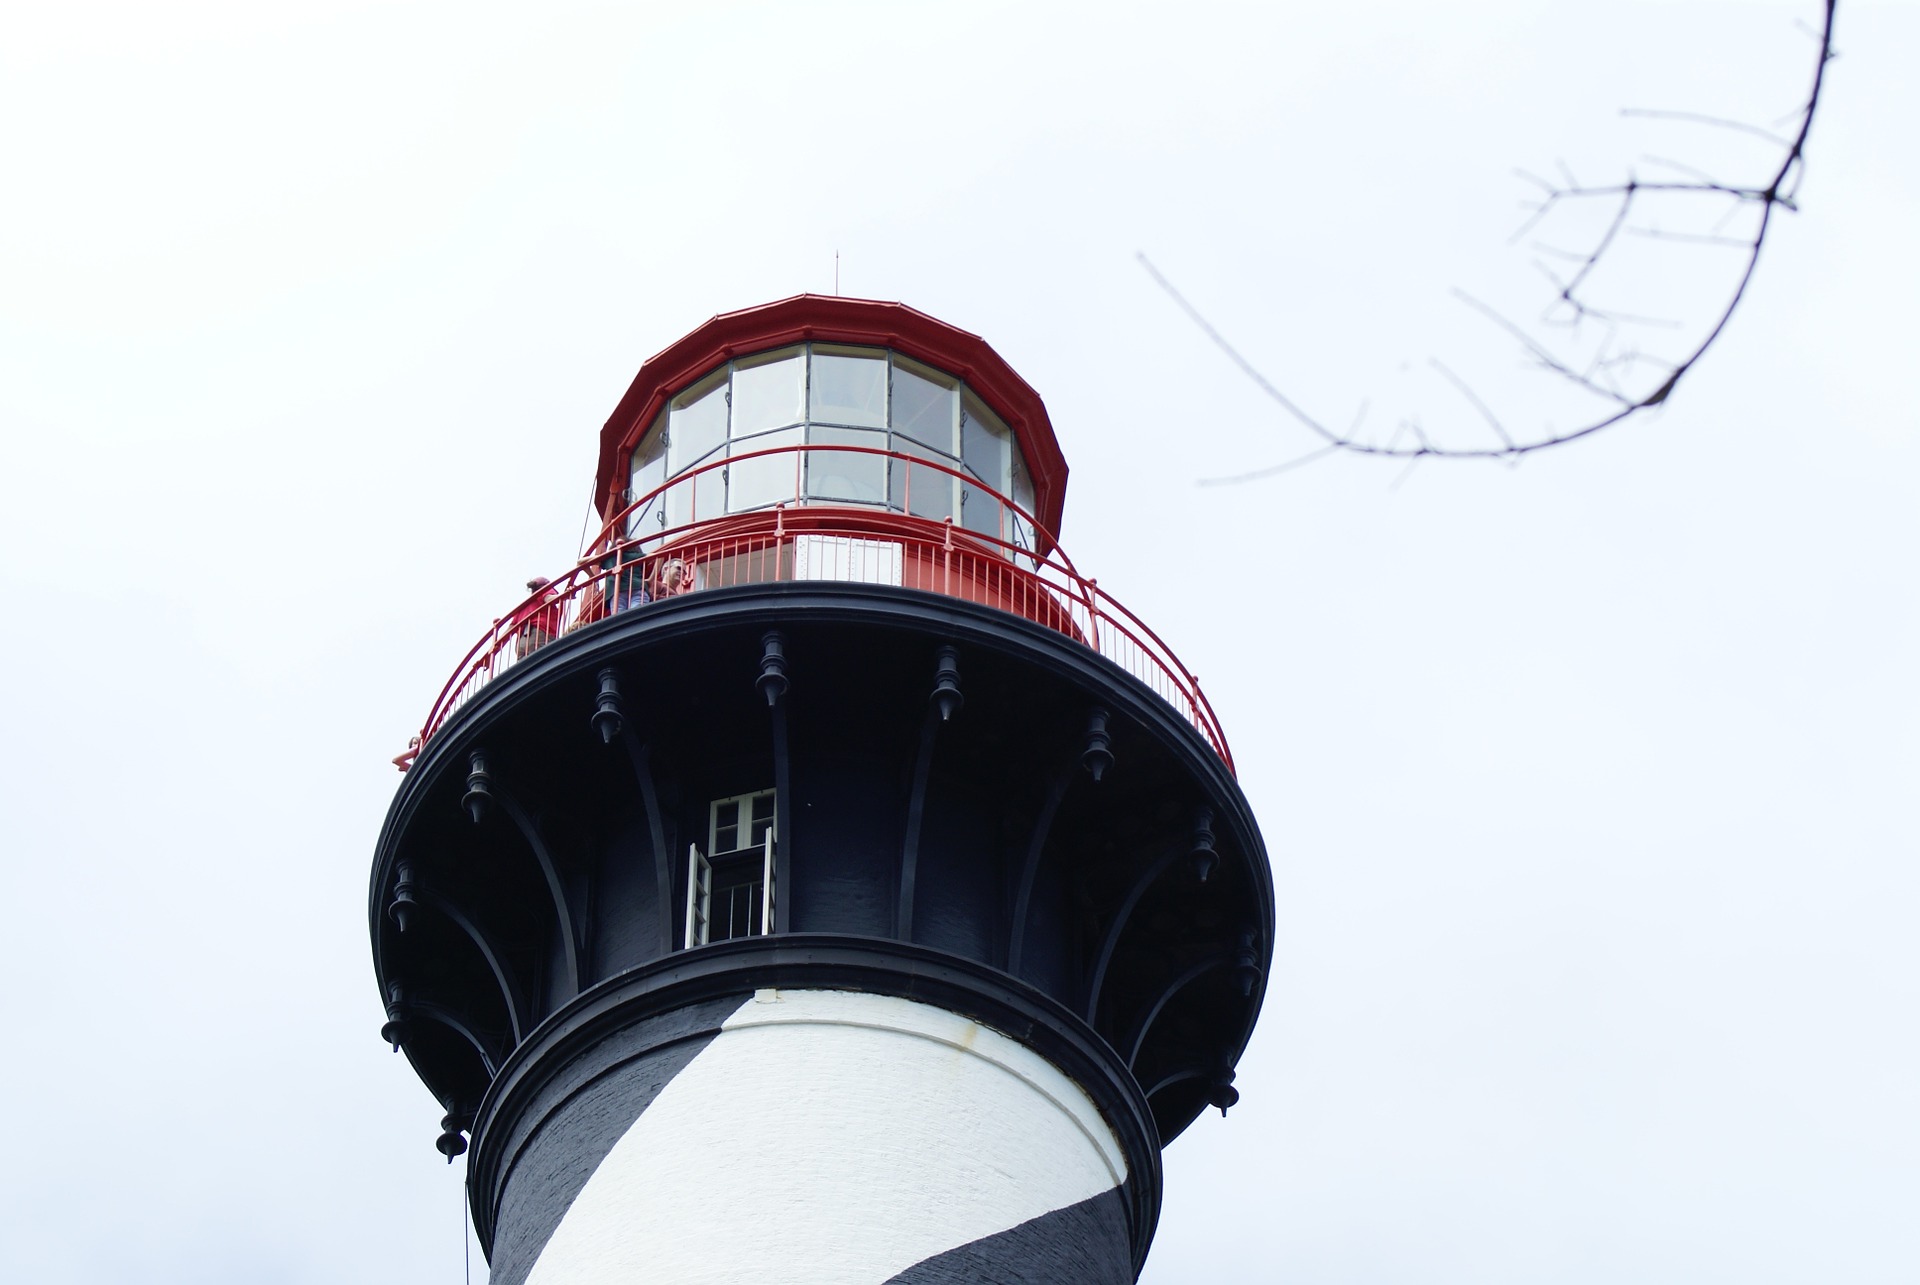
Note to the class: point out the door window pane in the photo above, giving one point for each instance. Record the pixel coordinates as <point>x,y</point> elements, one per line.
<point>848,386</point>
<point>767,392</point>
<point>697,423</point>
<point>846,475</point>
<point>755,484</point>
<point>741,823</point>
<point>762,819</point>
<point>726,826</point>
<point>923,405</point>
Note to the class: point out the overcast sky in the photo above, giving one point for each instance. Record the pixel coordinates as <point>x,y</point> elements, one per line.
<point>1589,785</point>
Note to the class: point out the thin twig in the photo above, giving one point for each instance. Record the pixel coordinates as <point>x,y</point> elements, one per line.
<point>1701,118</point>
<point>1271,470</point>
<point>1691,238</point>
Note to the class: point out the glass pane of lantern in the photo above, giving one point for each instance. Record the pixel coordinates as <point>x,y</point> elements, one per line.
<point>1019,530</point>
<point>650,459</point>
<point>846,475</point>
<point>923,404</point>
<point>755,484</point>
<point>984,449</point>
<point>767,391</point>
<point>848,386</point>
<point>649,471</point>
<point>980,511</point>
<point>917,489</point>
<point>983,443</point>
<point>697,423</point>
<point>679,501</point>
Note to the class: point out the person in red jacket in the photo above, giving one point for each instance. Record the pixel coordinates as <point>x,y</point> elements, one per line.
<point>538,620</point>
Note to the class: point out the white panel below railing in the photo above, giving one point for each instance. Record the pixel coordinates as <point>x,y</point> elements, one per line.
<point>842,557</point>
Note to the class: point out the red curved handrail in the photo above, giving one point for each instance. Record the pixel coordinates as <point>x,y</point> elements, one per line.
<point>760,545</point>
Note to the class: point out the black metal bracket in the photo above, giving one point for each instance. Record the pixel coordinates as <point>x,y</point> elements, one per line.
<point>1117,925</point>
<point>611,721</point>
<point>1098,756</point>
<point>773,682</point>
<point>1205,859</point>
<point>394,1029</point>
<point>453,1125</point>
<point>608,717</point>
<point>1095,758</point>
<point>490,1058</point>
<point>479,793</point>
<point>1172,988</point>
<point>400,909</point>
<point>563,912</point>
<point>944,701</point>
<point>509,991</point>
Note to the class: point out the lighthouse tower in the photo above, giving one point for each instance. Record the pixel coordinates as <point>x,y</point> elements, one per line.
<point>824,879</point>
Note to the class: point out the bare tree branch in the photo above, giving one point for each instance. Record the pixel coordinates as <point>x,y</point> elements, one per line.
<point>1572,304</point>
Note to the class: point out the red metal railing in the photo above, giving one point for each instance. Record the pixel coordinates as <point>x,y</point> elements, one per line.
<point>798,538</point>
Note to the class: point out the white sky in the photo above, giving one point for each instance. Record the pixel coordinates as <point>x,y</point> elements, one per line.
<point>1589,785</point>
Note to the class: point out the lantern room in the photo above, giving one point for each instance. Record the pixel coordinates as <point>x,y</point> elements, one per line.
<point>826,402</point>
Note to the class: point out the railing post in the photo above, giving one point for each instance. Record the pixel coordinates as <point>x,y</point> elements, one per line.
<point>1093,611</point>
<point>1203,715</point>
<point>779,540</point>
<point>947,545</point>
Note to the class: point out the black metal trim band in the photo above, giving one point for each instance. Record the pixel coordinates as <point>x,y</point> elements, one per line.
<point>770,605</point>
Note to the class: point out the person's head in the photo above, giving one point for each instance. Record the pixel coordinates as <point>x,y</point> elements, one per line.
<point>538,582</point>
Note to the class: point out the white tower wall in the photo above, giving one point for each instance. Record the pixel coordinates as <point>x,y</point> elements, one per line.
<point>838,1137</point>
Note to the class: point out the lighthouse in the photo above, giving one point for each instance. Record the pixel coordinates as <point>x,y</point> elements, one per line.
<point>824,879</point>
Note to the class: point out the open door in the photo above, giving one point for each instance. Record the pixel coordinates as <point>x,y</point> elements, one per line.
<point>699,896</point>
<point>766,890</point>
